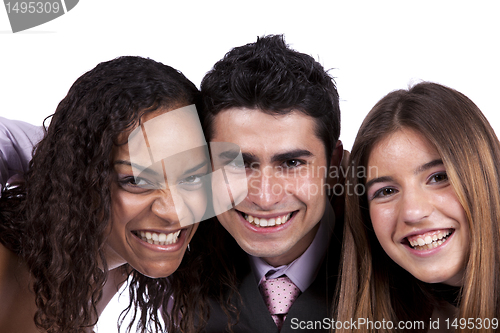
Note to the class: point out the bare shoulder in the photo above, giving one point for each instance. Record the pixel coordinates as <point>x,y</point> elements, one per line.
<point>17,307</point>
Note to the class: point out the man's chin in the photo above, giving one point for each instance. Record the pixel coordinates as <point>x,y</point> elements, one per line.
<point>268,253</point>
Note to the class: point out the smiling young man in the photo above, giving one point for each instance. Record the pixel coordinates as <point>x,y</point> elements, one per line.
<point>281,108</point>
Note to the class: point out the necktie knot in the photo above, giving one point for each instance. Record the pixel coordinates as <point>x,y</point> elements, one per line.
<point>279,295</point>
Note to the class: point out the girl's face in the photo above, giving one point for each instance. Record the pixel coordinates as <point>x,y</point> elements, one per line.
<point>414,209</point>
<point>158,193</point>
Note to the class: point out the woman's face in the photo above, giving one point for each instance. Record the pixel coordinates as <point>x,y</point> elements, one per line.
<point>414,210</point>
<point>157,194</point>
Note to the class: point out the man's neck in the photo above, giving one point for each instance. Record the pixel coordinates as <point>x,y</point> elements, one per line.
<point>294,252</point>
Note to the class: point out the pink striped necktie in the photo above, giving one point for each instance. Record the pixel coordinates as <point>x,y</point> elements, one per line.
<point>279,295</point>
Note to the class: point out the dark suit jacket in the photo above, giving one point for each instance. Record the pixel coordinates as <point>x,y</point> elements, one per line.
<point>314,304</point>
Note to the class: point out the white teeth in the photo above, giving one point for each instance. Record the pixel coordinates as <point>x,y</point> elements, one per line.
<point>160,239</point>
<point>268,223</point>
<point>429,242</point>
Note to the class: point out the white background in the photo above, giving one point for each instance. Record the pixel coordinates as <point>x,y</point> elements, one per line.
<point>371,47</point>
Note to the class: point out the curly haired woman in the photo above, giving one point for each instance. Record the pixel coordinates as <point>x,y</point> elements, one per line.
<point>88,216</point>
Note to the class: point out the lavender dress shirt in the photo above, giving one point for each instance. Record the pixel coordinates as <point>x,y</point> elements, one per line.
<point>17,139</point>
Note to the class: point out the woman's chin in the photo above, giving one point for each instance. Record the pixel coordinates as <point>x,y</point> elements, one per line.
<point>163,271</point>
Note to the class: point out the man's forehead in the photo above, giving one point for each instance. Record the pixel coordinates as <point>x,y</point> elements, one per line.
<point>256,129</point>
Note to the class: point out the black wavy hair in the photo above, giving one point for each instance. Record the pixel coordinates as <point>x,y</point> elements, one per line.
<point>272,77</point>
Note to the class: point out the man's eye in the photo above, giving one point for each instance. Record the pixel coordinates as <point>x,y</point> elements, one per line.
<point>293,163</point>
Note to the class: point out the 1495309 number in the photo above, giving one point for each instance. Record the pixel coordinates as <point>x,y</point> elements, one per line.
<point>33,7</point>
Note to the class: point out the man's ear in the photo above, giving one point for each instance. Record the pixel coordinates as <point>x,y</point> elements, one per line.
<point>337,155</point>
<point>334,173</point>
<point>336,176</point>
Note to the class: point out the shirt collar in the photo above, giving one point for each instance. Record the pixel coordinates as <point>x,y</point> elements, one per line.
<point>303,270</point>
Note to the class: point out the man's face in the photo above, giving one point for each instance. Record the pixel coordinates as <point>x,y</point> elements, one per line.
<point>285,166</point>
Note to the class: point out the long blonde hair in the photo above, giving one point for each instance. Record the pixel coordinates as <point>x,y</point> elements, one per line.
<point>371,285</point>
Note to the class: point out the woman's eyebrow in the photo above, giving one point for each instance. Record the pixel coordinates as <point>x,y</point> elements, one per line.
<point>136,166</point>
<point>429,165</point>
<point>196,167</point>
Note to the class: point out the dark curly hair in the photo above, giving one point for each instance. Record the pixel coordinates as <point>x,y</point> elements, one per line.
<point>276,79</point>
<point>61,222</point>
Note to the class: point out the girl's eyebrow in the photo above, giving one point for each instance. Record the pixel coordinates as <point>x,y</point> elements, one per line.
<point>378,180</point>
<point>429,165</point>
<point>418,170</point>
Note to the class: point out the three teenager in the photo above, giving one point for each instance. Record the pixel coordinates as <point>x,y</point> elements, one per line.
<point>433,158</point>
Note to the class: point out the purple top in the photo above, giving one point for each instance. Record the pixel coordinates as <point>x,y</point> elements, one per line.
<point>17,139</point>
<point>303,270</point>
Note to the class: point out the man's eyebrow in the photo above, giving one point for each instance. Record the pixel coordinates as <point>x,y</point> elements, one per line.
<point>429,165</point>
<point>291,155</point>
<point>378,180</point>
<point>136,166</point>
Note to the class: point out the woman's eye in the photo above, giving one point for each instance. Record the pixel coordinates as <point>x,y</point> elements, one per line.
<point>191,180</point>
<point>438,177</point>
<point>237,164</point>
<point>133,181</point>
<point>135,184</point>
<point>192,183</point>
<point>138,182</point>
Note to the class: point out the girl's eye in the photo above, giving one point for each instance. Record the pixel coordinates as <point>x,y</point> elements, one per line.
<point>438,177</point>
<point>384,192</point>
